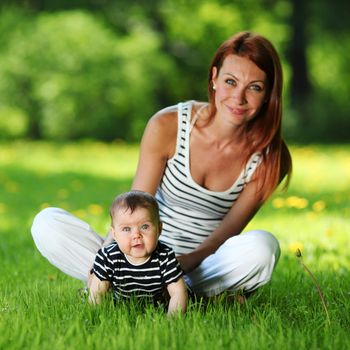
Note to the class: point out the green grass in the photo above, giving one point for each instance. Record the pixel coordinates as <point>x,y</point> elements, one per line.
<point>41,309</point>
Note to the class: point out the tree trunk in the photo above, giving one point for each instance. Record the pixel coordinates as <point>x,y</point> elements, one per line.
<point>300,82</point>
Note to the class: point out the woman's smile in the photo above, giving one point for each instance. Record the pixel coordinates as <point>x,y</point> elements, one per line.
<point>240,89</point>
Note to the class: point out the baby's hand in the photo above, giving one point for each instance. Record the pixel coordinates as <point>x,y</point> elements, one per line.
<point>90,274</point>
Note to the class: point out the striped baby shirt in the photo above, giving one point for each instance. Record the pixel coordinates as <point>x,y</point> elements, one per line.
<point>146,280</point>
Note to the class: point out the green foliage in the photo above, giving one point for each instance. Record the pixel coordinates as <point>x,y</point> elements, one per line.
<point>40,307</point>
<point>91,69</point>
<point>75,78</point>
<point>13,122</point>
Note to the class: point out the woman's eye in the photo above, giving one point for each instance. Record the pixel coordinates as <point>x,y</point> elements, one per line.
<point>230,82</point>
<point>256,88</point>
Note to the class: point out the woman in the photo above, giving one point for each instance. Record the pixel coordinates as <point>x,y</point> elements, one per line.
<point>211,166</point>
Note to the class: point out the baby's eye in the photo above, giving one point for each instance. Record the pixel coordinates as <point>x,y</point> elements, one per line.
<point>145,227</point>
<point>126,229</point>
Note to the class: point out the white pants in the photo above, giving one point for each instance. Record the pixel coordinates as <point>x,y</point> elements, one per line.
<point>244,262</point>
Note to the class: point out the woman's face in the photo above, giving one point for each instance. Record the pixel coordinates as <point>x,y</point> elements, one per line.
<point>240,90</point>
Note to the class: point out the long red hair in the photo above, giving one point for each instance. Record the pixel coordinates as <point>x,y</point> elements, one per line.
<point>263,133</point>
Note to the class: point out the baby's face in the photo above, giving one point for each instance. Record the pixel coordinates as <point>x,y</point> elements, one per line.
<point>136,233</point>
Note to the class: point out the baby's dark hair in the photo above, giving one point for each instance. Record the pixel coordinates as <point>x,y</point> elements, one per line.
<point>136,199</point>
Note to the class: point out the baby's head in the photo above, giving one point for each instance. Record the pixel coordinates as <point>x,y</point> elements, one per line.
<point>136,225</point>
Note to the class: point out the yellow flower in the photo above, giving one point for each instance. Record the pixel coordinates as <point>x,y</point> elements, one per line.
<point>44,205</point>
<point>95,209</point>
<point>278,203</point>
<point>329,232</point>
<point>80,213</point>
<point>297,202</point>
<point>51,277</point>
<point>319,206</point>
<point>311,215</point>
<point>295,246</point>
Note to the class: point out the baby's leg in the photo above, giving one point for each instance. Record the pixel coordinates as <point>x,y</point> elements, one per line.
<point>67,242</point>
<point>243,263</point>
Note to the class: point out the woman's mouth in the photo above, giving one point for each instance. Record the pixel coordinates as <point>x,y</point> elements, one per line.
<point>236,111</point>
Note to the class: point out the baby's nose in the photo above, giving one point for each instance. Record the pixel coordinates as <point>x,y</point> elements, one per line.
<point>136,233</point>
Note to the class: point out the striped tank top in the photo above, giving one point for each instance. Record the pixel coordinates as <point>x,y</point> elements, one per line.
<point>189,212</point>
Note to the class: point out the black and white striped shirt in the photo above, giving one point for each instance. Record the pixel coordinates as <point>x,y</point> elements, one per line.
<point>148,279</point>
<point>188,211</point>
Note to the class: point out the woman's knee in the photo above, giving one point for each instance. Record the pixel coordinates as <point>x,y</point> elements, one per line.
<point>44,227</point>
<point>267,248</point>
<point>42,220</point>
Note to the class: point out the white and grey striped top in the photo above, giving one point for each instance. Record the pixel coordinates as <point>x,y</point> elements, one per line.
<point>188,211</point>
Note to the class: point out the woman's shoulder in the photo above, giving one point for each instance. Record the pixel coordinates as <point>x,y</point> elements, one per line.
<point>168,117</point>
<point>164,122</point>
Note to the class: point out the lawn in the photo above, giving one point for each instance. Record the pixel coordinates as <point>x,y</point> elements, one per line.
<point>40,307</point>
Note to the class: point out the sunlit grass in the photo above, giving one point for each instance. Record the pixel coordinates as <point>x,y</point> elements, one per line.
<point>41,309</point>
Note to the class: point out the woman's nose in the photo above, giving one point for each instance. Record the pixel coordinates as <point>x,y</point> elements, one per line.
<point>239,95</point>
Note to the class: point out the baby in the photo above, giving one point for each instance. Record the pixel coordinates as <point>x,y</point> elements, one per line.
<point>136,264</point>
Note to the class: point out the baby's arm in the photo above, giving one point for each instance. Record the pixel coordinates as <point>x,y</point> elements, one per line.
<point>97,289</point>
<point>178,296</point>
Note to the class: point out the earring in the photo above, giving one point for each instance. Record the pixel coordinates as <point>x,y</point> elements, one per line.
<point>214,87</point>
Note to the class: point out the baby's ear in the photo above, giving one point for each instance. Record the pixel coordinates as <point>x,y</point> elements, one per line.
<point>160,227</point>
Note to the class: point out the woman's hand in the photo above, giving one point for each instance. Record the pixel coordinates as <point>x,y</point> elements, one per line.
<point>187,262</point>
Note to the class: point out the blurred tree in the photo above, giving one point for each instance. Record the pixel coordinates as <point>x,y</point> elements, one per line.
<point>169,43</point>
<point>300,87</point>
<point>75,78</point>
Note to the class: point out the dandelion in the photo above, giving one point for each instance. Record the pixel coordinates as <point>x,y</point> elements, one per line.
<point>300,258</point>
<point>278,203</point>
<point>51,277</point>
<point>297,202</point>
<point>44,205</point>
<point>311,215</point>
<point>329,232</point>
<point>80,213</point>
<point>294,246</point>
<point>319,206</point>
<point>95,209</point>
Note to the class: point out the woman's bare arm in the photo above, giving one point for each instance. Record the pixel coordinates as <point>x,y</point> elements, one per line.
<point>157,146</point>
<point>246,206</point>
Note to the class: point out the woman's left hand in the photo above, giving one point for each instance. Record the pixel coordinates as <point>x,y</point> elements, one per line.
<point>187,262</point>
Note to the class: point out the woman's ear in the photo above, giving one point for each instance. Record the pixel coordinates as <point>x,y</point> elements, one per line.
<point>214,73</point>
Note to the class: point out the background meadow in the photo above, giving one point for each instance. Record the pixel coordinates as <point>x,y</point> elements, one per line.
<point>41,308</point>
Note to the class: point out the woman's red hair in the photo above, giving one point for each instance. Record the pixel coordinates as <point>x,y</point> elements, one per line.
<point>263,133</point>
